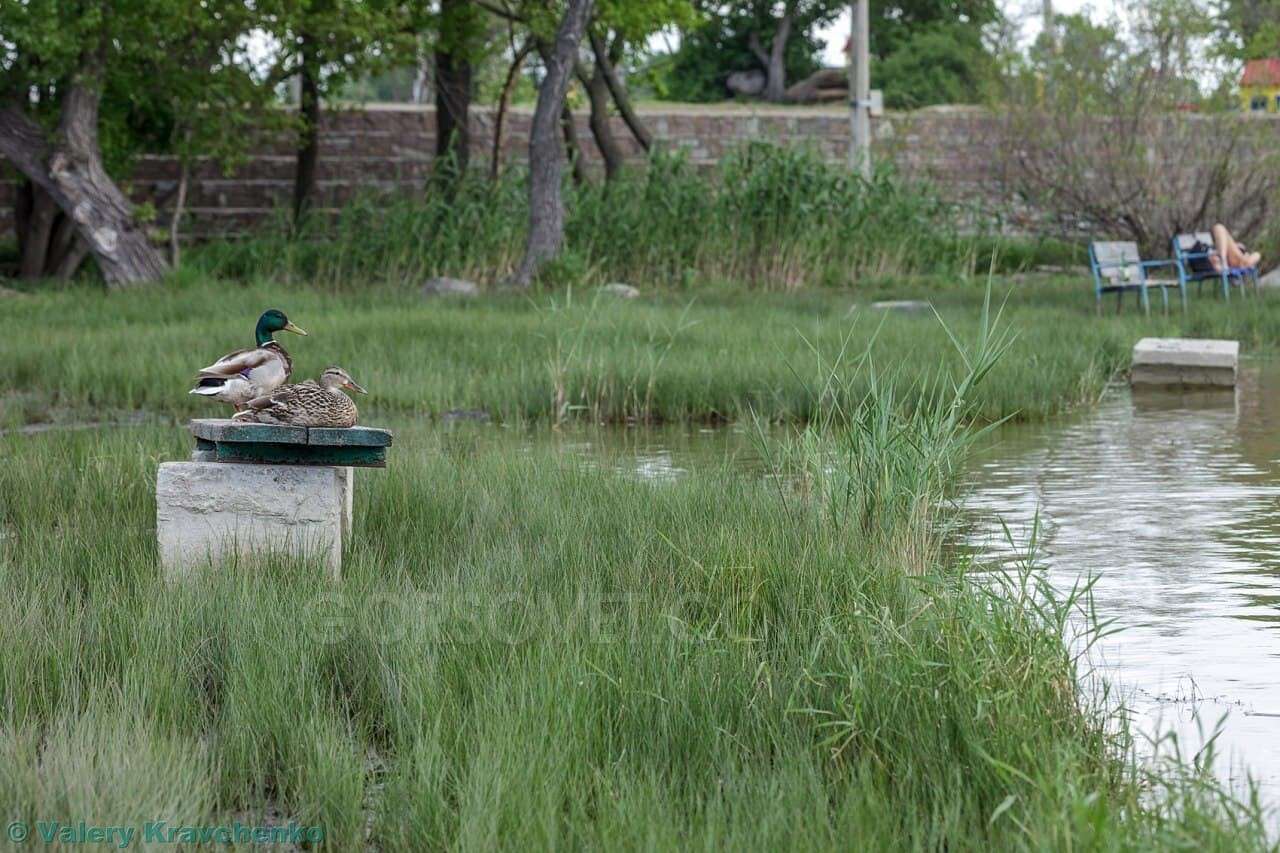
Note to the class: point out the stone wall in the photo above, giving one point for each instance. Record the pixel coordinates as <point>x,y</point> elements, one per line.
<point>389,148</point>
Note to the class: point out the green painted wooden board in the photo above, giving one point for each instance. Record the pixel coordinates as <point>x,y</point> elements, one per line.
<point>301,454</point>
<point>225,430</point>
<point>353,437</point>
<point>235,441</point>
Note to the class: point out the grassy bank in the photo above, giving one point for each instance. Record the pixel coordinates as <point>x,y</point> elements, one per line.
<point>529,652</point>
<point>697,354</point>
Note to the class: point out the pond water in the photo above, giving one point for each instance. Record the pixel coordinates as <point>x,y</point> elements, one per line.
<point>1172,500</point>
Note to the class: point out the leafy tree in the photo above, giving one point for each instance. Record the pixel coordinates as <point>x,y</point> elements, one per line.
<point>546,208</point>
<point>943,57</point>
<point>776,38</point>
<point>612,26</point>
<point>79,84</point>
<point>939,64</point>
<point>1092,68</point>
<point>1087,66</point>
<point>1248,29</point>
<point>618,26</point>
<point>327,44</point>
<point>1095,136</point>
<point>461,36</point>
<point>1173,35</point>
<point>931,51</point>
<point>894,23</point>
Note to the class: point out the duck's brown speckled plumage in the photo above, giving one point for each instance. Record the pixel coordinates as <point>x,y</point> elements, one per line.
<point>309,403</point>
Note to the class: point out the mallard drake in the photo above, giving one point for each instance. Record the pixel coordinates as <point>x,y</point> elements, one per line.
<point>308,404</point>
<point>245,374</point>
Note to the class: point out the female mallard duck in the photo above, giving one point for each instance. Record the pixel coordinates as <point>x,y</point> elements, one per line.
<point>308,404</point>
<point>240,376</point>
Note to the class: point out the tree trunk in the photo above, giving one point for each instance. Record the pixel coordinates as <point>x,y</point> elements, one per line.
<point>66,264</point>
<point>606,63</point>
<point>23,200</point>
<point>308,152</point>
<point>546,208</point>
<point>774,61</point>
<point>422,75</point>
<point>775,90</point>
<point>504,100</point>
<point>48,245</point>
<point>40,211</point>
<point>572,150</point>
<point>179,208</point>
<point>598,95</point>
<point>825,84</point>
<point>453,92</point>
<point>70,171</point>
<point>62,246</point>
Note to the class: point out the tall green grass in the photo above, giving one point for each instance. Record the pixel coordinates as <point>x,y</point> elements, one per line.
<point>882,460</point>
<point>709,354</point>
<point>529,652</point>
<point>766,216</point>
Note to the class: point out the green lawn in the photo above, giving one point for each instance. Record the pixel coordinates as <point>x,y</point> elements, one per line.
<point>700,355</point>
<point>530,652</point>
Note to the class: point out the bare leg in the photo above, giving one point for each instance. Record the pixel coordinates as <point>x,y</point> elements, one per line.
<point>1228,248</point>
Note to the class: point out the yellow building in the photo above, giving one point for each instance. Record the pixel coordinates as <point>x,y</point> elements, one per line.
<point>1260,86</point>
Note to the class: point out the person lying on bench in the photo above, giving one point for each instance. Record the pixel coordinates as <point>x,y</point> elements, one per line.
<point>1225,246</point>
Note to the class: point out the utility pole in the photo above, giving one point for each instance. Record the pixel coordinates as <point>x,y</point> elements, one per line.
<point>860,90</point>
<point>1046,16</point>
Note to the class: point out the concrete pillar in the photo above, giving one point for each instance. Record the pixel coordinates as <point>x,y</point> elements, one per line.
<point>347,481</point>
<point>207,512</point>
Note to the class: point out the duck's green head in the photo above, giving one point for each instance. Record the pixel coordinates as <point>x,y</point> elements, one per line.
<point>273,321</point>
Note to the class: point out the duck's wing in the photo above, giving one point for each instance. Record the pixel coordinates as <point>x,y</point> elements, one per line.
<point>283,397</point>
<point>282,406</point>
<point>240,361</point>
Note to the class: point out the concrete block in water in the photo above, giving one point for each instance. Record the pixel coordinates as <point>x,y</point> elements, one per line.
<point>210,511</point>
<point>1185,361</point>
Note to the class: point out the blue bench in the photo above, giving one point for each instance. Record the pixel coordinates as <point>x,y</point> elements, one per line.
<point>1117,268</point>
<point>1196,266</point>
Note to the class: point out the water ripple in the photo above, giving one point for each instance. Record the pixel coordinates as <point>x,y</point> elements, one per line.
<point>1171,501</point>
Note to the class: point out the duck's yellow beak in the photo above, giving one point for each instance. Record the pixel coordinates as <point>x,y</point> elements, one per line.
<point>297,330</point>
<point>351,383</point>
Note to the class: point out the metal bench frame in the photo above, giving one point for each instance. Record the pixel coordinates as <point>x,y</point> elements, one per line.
<point>1237,276</point>
<point>1118,267</point>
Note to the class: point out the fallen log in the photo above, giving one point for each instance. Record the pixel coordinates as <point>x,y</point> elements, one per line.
<point>825,84</point>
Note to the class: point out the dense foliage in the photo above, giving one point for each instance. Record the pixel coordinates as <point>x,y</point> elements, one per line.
<point>924,51</point>
<point>721,43</point>
<point>937,64</point>
<point>1248,29</point>
<point>162,64</point>
<point>932,51</point>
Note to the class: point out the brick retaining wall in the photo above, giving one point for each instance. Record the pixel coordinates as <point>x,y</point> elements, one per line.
<point>389,147</point>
